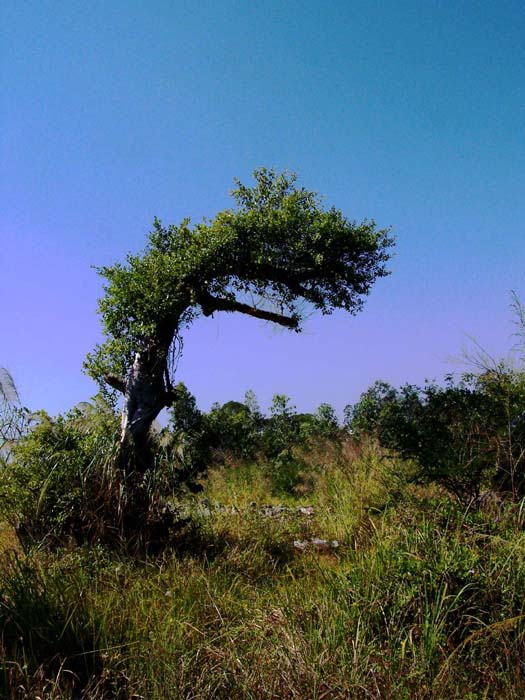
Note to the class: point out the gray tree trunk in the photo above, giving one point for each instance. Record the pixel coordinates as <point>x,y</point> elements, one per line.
<point>144,399</point>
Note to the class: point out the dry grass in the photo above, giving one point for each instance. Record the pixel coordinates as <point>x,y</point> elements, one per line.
<point>423,600</point>
<point>8,539</point>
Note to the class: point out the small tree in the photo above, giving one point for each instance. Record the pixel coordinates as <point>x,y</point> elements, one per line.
<point>277,249</point>
<point>234,429</point>
<point>326,421</point>
<point>190,435</point>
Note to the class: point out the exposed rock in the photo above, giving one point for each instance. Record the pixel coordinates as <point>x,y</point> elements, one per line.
<point>270,511</point>
<point>301,546</point>
<point>317,544</point>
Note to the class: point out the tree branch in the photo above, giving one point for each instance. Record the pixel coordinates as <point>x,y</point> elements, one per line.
<point>116,382</point>
<point>209,304</point>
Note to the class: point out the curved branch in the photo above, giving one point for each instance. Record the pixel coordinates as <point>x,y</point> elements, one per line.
<point>116,382</point>
<point>209,304</point>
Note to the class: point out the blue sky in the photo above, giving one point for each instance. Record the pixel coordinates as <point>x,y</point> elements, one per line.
<point>411,113</point>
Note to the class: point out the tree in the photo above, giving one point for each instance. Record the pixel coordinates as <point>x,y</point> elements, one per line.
<point>275,254</point>
<point>190,434</point>
<point>234,429</point>
<point>326,420</point>
<point>465,435</point>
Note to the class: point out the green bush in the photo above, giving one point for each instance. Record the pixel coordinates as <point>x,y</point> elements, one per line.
<point>465,435</point>
<point>62,478</point>
<point>188,440</point>
<point>199,438</point>
<point>236,428</point>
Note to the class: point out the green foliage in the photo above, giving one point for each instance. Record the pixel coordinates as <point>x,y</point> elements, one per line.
<point>235,428</point>
<point>47,623</point>
<point>281,436</point>
<point>278,245</point>
<point>239,431</point>
<point>364,416</point>
<point>422,601</point>
<point>60,473</point>
<point>326,422</point>
<point>190,443</point>
<point>464,435</point>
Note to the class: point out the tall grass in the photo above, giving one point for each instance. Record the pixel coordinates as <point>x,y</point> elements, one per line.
<point>423,598</point>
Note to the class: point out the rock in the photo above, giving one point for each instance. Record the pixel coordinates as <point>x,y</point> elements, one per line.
<point>324,545</point>
<point>316,543</point>
<point>301,546</point>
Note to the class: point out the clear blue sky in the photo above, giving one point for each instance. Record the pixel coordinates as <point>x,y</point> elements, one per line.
<point>408,112</point>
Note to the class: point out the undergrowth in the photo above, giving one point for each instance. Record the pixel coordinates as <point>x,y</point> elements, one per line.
<point>423,598</point>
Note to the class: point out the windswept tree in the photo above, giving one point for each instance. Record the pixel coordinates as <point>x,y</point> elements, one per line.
<point>275,255</point>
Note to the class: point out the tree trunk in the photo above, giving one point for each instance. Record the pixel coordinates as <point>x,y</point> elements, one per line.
<point>144,399</point>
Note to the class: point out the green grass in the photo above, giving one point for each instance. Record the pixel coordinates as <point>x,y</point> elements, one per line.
<point>424,599</point>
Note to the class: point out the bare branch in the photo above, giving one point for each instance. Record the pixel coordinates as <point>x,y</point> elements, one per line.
<point>116,382</point>
<point>209,304</point>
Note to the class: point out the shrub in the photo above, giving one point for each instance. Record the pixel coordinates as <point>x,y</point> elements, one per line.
<point>326,423</point>
<point>62,479</point>
<point>463,435</point>
<point>188,440</point>
<point>236,428</point>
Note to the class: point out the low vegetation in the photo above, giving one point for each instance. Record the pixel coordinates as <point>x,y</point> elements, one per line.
<point>283,556</point>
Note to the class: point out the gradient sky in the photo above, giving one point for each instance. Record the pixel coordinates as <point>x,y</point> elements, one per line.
<point>410,113</point>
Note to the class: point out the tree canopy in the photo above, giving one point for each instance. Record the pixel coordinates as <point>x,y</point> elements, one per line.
<point>277,253</point>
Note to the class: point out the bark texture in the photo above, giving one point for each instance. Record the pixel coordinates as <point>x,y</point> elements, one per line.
<point>145,396</point>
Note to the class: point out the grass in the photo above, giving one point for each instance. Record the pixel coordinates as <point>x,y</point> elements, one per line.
<point>424,599</point>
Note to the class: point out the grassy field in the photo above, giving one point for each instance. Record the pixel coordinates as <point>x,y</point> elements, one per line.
<point>422,597</point>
